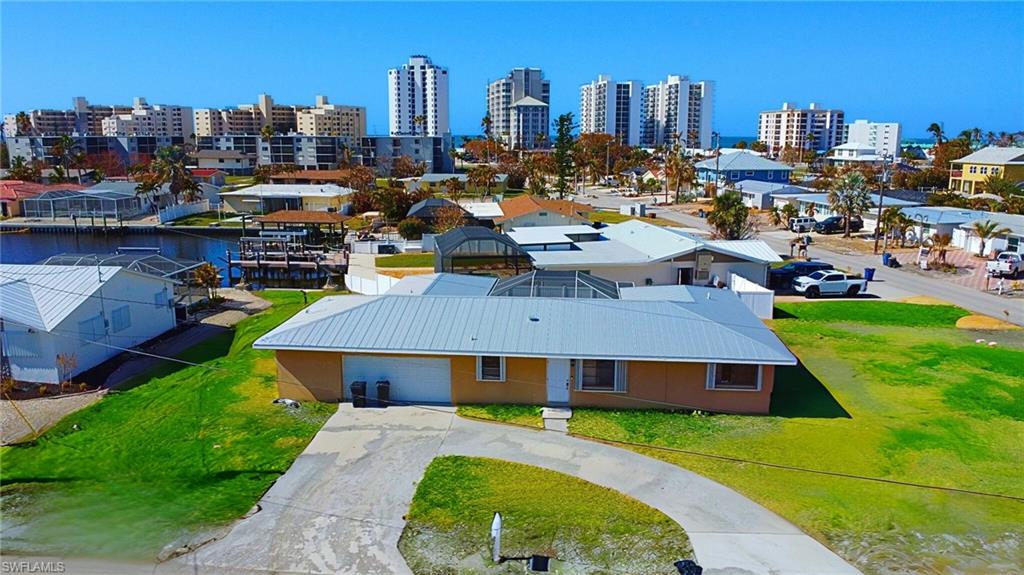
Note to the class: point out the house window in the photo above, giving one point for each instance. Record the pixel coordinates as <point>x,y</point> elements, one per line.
<point>771,175</point>
<point>734,376</point>
<point>734,176</point>
<point>984,169</point>
<point>995,170</point>
<point>490,368</point>
<point>1013,244</point>
<point>121,318</point>
<point>601,375</point>
<point>542,214</point>
<point>750,173</point>
<point>973,170</point>
<point>91,329</point>
<point>160,299</point>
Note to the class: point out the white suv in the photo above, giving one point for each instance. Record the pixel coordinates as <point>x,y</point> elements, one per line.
<point>802,224</point>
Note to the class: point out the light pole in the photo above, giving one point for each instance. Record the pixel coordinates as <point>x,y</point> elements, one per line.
<point>881,197</point>
<point>718,155</point>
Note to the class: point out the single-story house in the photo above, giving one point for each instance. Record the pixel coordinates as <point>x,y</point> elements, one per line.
<point>931,220</point>
<point>12,192</point>
<point>234,162</point>
<point>310,177</point>
<point>965,238</point>
<point>739,166</point>
<point>804,202</point>
<point>266,198</point>
<point>429,209</point>
<point>701,349</point>
<point>758,195</point>
<point>79,312</point>
<point>211,176</point>
<point>643,254</point>
<point>528,210</point>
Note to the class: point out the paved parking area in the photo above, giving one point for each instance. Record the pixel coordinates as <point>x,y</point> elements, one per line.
<point>340,508</point>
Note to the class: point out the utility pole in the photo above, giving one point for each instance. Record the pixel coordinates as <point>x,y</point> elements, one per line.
<point>881,198</point>
<point>718,155</point>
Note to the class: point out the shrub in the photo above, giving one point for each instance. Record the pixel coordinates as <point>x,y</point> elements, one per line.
<point>412,228</point>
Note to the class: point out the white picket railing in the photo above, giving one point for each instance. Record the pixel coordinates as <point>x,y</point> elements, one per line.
<point>171,213</point>
<point>369,286</point>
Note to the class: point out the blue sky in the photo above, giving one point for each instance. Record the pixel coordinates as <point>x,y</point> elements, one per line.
<point>959,63</point>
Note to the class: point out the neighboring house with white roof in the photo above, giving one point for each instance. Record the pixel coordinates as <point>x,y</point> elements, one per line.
<point>87,312</point>
<point>965,237</point>
<point>931,220</point>
<point>698,348</point>
<point>740,166</point>
<point>267,198</point>
<point>854,154</point>
<point>758,195</point>
<point>804,202</point>
<point>643,254</point>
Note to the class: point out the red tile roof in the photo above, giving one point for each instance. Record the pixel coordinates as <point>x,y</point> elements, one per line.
<point>14,190</point>
<point>206,172</point>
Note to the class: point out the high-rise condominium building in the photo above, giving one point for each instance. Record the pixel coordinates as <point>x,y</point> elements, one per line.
<point>884,137</point>
<point>677,110</point>
<point>418,99</point>
<point>150,120</point>
<point>518,108</point>
<point>609,107</point>
<point>803,128</point>
<point>82,119</point>
<point>327,119</point>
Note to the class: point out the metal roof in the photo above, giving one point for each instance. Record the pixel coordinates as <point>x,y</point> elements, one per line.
<point>429,207</point>
<point>443,284</point>
<point>773,188</point>
<point>291,191</point>
<point>550,234</point>
<point>42,296</point>
<point>755,250</point>
<point>742,161</point>
<point>483,210</point>
<point>552,283</point>
<point>942,214</point>
<point>714,327</point>
<point>994,155</point>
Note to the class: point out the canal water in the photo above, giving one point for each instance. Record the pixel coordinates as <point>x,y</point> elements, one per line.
<point>30,248</point>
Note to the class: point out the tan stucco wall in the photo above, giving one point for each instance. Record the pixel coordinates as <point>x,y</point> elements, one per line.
<point>660,385</point>
<point>525,382</point>
<point>310,375</point>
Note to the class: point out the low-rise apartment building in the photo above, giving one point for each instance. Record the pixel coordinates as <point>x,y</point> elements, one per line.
<point>883,137</point>
<point>82,119</point>
<point>325,119</point>
<point>130,150</point>
<point>321,119</point>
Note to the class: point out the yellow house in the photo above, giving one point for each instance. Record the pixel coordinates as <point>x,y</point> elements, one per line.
<point>968,173</point>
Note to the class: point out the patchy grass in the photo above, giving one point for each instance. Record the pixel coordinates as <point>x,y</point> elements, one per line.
<point>412,260</point>
<point>190,450</point>
<point>205,219</point>
<point>617,218</point>
<point>239,180</point>
<point>545,512</point>
<point>885,390</point>
<point>528,415</point>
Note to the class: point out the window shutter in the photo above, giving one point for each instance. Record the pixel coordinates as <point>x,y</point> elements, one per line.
<point>710,383</point>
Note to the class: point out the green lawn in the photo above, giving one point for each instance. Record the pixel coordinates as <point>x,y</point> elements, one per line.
<point>205,219</point>
<point>239,180</point>
<point>528,415</point>
<point>544,512</point>
<point>411,260</point>
<point>187,451</point>
<point>886,390</point>
<point>617,218</point>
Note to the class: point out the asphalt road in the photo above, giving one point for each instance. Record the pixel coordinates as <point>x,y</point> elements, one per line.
<point>889,283</point>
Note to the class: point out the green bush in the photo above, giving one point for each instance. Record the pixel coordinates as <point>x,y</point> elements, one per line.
<point>412,228</point>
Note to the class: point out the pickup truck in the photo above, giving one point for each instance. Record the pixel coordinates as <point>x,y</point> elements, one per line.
<point>829,282</point>
<point>1005,264</point>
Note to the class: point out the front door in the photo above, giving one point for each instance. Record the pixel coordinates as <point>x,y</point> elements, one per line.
<point>685,276</point>
<point>558,381</point>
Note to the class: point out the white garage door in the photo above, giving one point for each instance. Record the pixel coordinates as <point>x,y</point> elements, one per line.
<point>413,379</point>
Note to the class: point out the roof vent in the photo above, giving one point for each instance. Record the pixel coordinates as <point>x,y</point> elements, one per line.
<point>534,318</point>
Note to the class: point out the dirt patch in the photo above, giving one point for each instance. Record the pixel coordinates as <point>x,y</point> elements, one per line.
<point>42,413</point>
<point>925,300</point>
<point>402,272</point>
<point>983,322</point>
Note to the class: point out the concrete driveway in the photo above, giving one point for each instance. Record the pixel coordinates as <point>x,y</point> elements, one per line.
<point>339,508</point>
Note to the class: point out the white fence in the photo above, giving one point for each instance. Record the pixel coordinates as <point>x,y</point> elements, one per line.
<point>372,247</point>
<point>760,300</point>
<point>176,211</point>
<point>370,286</point>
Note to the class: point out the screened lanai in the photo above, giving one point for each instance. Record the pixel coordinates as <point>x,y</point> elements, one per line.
<point>67,203</point>
<point>144,260</point>
<point>473,249</point>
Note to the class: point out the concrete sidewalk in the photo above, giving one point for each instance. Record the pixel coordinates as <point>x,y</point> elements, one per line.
<point>340,507</point>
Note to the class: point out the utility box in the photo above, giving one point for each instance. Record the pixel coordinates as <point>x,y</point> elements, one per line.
<point>358,389</point>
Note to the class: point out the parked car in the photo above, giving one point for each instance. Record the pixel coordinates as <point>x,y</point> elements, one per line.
<point>1006,264</point>
<point>802,224</point>
<point>782,277</point>
<point>837,224</point>
<point>829,282</point>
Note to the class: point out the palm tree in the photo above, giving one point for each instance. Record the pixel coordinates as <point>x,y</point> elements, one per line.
<point>985,230</point>
<point>453,153</point>
<point>482,176</point>
<point>540,139</point>
<point>169,168</point>
<point>849,197</point>
<point>419,120</point>
<point>935,129</point>
<point>65,149</point>
<point>266,133</point>
<point>789,211</point>
<point>940,243</point>
<point>775,216</point>
<point>454,188</point>
<point>24,123</point>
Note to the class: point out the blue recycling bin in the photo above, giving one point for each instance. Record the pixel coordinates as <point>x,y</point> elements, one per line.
<point>869,274</point>
<point>886,256</point>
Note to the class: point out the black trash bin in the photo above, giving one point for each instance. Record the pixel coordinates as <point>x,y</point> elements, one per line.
<point>358,389</point>
<point>688,567</point>
<point>383,393</point>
